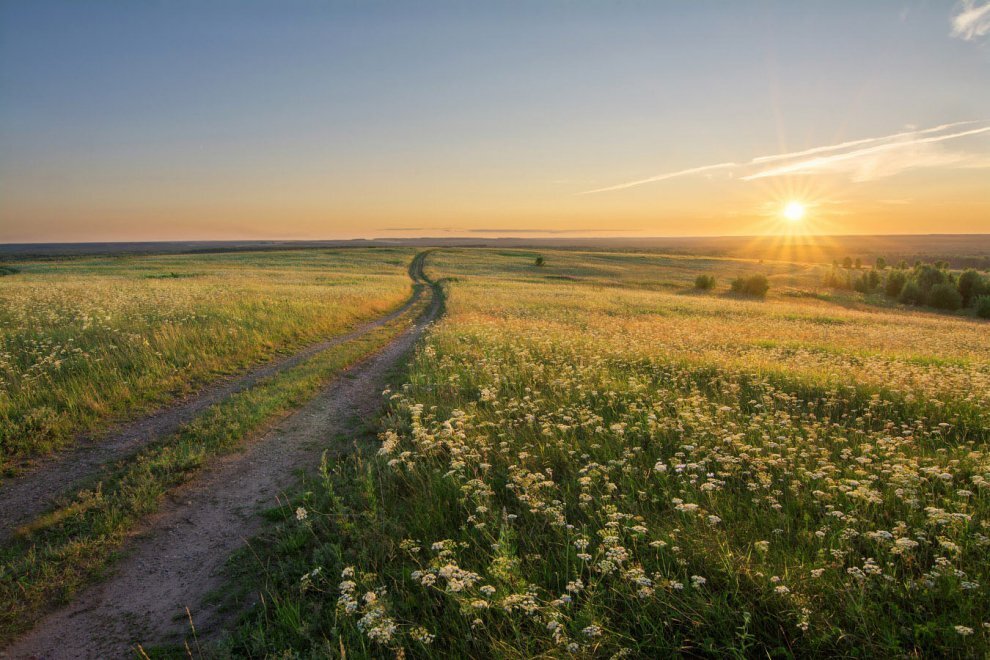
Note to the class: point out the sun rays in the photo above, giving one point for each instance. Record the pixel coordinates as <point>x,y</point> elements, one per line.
<point>794,211</point>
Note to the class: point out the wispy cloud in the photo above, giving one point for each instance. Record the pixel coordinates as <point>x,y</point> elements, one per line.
<point>879,160</point>
<point>504,230</point>
<point>508,230</point>
<point>446,229</point>
<point>971,20</point>
<point>858,143</point>
<point>664,177</point>
<point>861,160</point>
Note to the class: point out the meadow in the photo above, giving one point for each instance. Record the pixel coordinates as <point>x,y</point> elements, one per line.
<point>592,458</point>
<point>87,341</point>
<point>233,310</point>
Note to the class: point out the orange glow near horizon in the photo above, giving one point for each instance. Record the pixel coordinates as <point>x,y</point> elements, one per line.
<point>341,120</point>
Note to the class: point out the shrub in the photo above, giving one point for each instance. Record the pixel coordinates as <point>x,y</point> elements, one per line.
<point>895,283</point>
<point>868,282</point>
<point>754,285</point>
<point>971,284</point>
<point>540,261</point>
<point>836,279</point>
<point>911,293</point>
<point>704,282</point>
<point>928,276</point>
<point>982,305</point>
<point>945,296</point>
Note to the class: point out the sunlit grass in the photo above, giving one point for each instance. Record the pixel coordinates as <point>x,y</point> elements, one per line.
<point>595,466</point>
<point>50,559</point>
<point>86,341</point>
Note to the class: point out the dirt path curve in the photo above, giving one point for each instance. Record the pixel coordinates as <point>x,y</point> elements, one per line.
<point>178,557</point>
<point>26,497</point>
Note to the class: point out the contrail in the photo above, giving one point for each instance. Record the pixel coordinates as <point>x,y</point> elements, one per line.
<point>856,143</point>
<point>759,160</point>
<point>858,153</point>
<point>661,177</point>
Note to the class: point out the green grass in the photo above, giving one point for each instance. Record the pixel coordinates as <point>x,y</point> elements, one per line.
<point>89,341</point>
<point>73,545</point>
<point>576,467</point>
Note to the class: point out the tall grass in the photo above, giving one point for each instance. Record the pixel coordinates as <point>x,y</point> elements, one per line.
<point>86,341</point>
<point>578,470</point>
<point>54,556</point>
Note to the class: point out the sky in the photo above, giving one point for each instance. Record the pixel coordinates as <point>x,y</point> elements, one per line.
<point>193,120</point>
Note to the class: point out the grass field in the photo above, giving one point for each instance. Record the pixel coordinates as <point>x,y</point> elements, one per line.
<point>76,542</point>
<point>88,340</point>
<point>46,561</point>
<point>591,458</point>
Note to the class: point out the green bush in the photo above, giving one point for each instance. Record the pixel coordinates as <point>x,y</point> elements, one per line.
<point>971,285</point>
<point>754,285</point>
<point>895,283</point>
<point>911,293</point>
<point>982,305</point>
<point>836,279</point>
<point>868,282</point>
<point>928,276</point>
<point>704,282</point>
<point>945,296</point>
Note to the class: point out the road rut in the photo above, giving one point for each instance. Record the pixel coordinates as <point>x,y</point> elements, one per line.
<point>26,497</point>
<point>178,556</point>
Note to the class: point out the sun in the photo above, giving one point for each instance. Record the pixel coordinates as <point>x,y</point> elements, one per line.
<point>794,211</point>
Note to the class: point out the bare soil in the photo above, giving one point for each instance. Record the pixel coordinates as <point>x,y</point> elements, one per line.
<point>177,557</point>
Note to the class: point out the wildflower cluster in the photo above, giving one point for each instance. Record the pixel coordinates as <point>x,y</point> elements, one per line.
<point>578,470</point>
<point>654,463</point>
<point>87,339</point>
<point>369,607</point>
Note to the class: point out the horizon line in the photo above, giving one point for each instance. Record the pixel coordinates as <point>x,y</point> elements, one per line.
<point>475,237</point>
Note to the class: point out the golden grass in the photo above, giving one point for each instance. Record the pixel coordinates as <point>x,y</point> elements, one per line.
<point>86,341</point>
<point>585,464</point>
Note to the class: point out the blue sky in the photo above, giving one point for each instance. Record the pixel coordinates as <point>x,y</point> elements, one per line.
<point>171,120</point>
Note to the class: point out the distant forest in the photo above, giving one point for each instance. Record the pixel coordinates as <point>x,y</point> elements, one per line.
<point>958,251</point>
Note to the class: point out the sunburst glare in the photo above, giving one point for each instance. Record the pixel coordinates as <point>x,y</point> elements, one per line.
<point>794,211</point>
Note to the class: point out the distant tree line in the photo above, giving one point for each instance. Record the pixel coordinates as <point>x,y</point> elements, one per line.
<point>931,284</point>
<point>955,261</point>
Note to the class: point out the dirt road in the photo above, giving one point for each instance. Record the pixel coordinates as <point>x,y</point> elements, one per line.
<point>177,557</point>
<point>28,496</point>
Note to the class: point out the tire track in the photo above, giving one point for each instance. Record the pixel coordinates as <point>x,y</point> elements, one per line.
<point>179,556</point>
<point>28,496</point>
